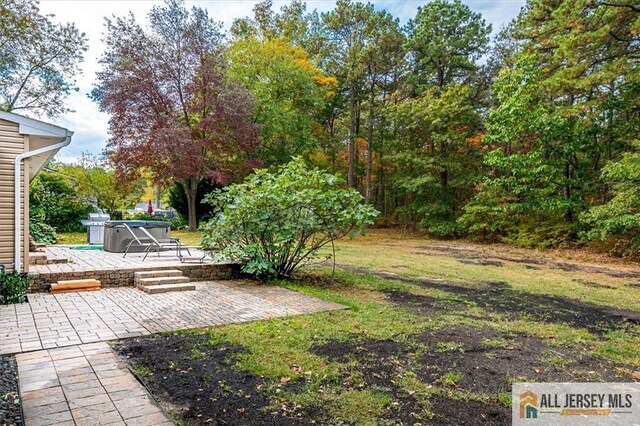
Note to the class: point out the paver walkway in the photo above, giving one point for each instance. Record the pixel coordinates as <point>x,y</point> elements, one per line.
<point>50,321</point>
<point>83,385</point>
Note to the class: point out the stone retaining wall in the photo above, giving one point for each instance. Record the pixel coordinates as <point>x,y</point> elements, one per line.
<point>40,281</point>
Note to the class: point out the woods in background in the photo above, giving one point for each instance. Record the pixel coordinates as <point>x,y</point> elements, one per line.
<point>530,138</point>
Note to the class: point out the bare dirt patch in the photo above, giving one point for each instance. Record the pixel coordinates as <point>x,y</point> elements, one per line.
<point>422,304</point>
<point>592,284</point>
<point>481,262</point>
<point>450,411</point>
<point>483,360</point>
<point>460,360</point>
<point>199,382</point>
<point>502,299</point>
<point>382,363</point>
<point>379,364</point>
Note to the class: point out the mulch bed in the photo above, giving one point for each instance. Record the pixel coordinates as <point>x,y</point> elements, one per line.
<point>10,409</point>
<point>202,387</point>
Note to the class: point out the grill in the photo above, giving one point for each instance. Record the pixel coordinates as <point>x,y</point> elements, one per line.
<point>95,227</point>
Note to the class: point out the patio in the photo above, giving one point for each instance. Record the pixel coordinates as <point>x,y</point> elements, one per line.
<point>51,321</point>
<point>68,374</point>
<point>113,270</point>
<point>92,260</point>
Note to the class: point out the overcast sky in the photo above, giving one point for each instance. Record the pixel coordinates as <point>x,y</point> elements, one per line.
<point>90,125</point>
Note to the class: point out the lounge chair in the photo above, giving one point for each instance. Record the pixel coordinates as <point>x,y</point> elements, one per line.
<point>158,245</point>
<point>146,244</point>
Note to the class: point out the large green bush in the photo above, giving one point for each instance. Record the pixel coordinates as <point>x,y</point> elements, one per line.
<point>54,201</point>
<point>277,221</point>
<point>41,232</point>
<point>617,223</point>
<point>13,287</point>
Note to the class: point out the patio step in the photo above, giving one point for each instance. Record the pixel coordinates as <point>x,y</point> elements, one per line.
<point>68,286</point>
<point>155,274</point>
<point>164,288</point>
<point>41,258</point>
<point>162,281</point>
<point>37,258</point>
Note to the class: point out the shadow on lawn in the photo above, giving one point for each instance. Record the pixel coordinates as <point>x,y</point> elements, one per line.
<point>501,298</point>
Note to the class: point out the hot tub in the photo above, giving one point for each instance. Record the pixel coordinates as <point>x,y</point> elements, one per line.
<point>117,237</point>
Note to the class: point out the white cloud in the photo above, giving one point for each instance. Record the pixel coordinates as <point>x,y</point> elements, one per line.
<point>90,125</point>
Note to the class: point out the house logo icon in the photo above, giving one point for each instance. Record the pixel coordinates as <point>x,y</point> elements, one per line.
<point>528,405</point>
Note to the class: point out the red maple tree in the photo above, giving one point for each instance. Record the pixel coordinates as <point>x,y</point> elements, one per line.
<point>173,110</point>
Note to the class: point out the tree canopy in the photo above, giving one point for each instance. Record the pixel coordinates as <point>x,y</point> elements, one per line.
<point>528,138</point>
<point>39,59</point>
<point>173,109</point>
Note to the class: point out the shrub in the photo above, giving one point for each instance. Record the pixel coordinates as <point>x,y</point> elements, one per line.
<point>140,216</point>
<point>13,287</point>
<point>53,199</point>
<point>278,221</point>
<point>178,223</point>
<point>42,232</point>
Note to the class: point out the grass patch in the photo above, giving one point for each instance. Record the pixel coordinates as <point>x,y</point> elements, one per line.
<point>141,371</point>
<point>71,238</point>
<point>362,407</point>
<point>190,238</point>
<point>378,368</point>
<point>498,343</point>
<point>443,347</point>
<point>452,378</point>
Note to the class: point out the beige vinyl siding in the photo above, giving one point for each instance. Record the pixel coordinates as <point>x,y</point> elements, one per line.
<point>12,144</point>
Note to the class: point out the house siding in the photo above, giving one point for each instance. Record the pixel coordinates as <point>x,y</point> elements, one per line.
<point>12,143</point>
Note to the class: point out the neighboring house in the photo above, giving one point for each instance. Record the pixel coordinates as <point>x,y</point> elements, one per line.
<point>25,146</point>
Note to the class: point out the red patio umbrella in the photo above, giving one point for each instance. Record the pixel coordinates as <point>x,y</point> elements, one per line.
<point>150,208</point>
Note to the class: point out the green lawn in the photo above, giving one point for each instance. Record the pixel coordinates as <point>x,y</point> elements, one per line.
<point>430,328</point>
<point>191,238</point>
<point>187,237</point>
<point>72,238</point>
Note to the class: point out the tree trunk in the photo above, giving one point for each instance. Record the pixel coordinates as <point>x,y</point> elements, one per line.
<point>566,187</point>
<point>352,137</point>
<point>367,192</point>
<point>444,173</point>
<point>567,191</point>
<point>191,192</point>
<point>382,186</point>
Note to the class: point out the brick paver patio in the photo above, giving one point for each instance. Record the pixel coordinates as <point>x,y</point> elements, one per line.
<point>91,260</point>
<point>51,321</point>
<point>83,385</point>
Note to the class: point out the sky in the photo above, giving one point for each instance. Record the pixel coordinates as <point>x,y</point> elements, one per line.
<point>91,126</point>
